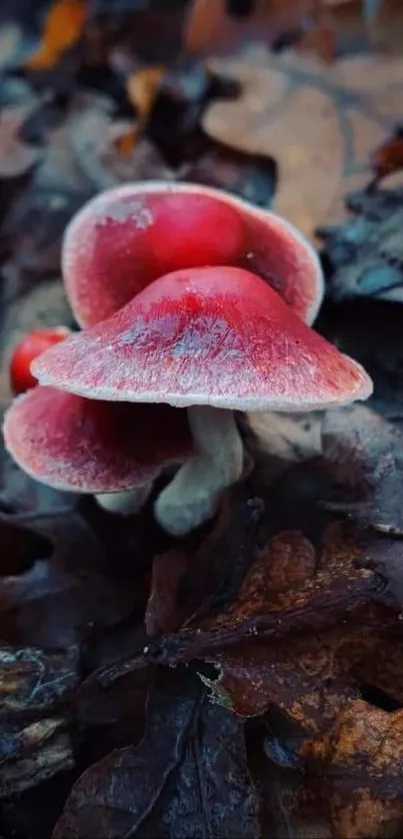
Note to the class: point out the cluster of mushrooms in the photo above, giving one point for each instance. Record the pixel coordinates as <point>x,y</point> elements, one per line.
<point>193,306</point>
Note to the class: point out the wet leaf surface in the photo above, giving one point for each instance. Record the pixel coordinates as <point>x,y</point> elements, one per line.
<point>187,777</point>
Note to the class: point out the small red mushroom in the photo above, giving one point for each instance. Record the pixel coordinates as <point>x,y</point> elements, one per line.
<point>113,450</point>
<point>127,237</point>
<point>215,340</point>
<point>29,348</point>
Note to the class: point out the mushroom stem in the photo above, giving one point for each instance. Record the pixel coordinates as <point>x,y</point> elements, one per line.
<point>193,495</point>
<point>125,503</point>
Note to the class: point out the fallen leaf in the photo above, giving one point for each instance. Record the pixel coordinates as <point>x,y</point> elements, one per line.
<point>33,681</point>
<point>167,574</point>
<point>309,679</point>
<point>194,581</point>
<point>356,769</point>
<point>385,557</point>
<point>364,454</point>
<point>34,688</point>
<point>113,713</point>
<point>270,605</point>
<point>16,156</point>
<point>61,599</point>
<point>211,27</point>
<point>32,753</point>
<point>185,90</point>
<point>95,140</point>
<point>63,29</point>
<point>187,777</point>
<point>142,88</point>
<point>287,807</point>
<point>336,115</point>
<point>251,177</point>
<point>388,157</point>
<point>365,254</point>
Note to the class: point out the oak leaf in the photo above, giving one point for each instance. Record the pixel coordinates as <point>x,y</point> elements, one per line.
<point>187,777</point>
<point>319,122</point>
<point>356,768</point>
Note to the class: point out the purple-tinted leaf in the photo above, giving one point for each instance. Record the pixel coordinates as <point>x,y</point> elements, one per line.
<point>188,776</point>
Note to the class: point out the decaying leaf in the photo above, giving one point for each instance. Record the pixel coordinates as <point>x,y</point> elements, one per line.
<point>142,90</point>
<point>388,157</point>
<point>64,27</point>
<point>320,590</point>
<point>61,599</point>
<point>251,177</point>
<point>289,810</point>
<point>365,254</point>
<point>356,769</point>
<point>211,26</point>
<point>162,615</point>
<point>189,583</point>
<point>35,743</point>
<point>187,777</point>
<point>32,681</point>
<point>32,753</point>
<point>96,139</point>
<point>16,156</point>
<point>320,123</point>
<point>364,453</point>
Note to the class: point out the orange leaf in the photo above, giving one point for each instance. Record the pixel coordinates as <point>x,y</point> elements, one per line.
<point>63,29</point>
<point>142,89</point>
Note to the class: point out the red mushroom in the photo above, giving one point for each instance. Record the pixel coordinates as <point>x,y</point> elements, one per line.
<point>113,450</point>
<point>29,348</point>
<point>213,340</point>
<point>127,237</point>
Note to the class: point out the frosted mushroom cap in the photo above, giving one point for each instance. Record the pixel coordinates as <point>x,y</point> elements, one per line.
<point>127,237</point>
<point>207,336</point>
<point>77,444</point>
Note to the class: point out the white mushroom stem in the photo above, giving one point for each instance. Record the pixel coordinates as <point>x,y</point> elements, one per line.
<point>193,495</point>
<point>126,503</point>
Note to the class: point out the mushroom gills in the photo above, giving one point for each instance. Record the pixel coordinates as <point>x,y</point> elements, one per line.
<point>193,495</point>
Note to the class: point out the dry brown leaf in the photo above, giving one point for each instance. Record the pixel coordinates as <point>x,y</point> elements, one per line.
<point>311,675</point>
<point>319,122</point>
<point>288,577</point>
<point>289,589</point>
<point>64,27</point>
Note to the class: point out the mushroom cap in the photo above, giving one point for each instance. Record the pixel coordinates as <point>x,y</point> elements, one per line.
<point>127,237</point>
<point>71,443</point>
<point>206,336</point>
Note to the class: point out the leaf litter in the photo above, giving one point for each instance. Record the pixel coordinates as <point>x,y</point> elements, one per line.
<point>247,680</point>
